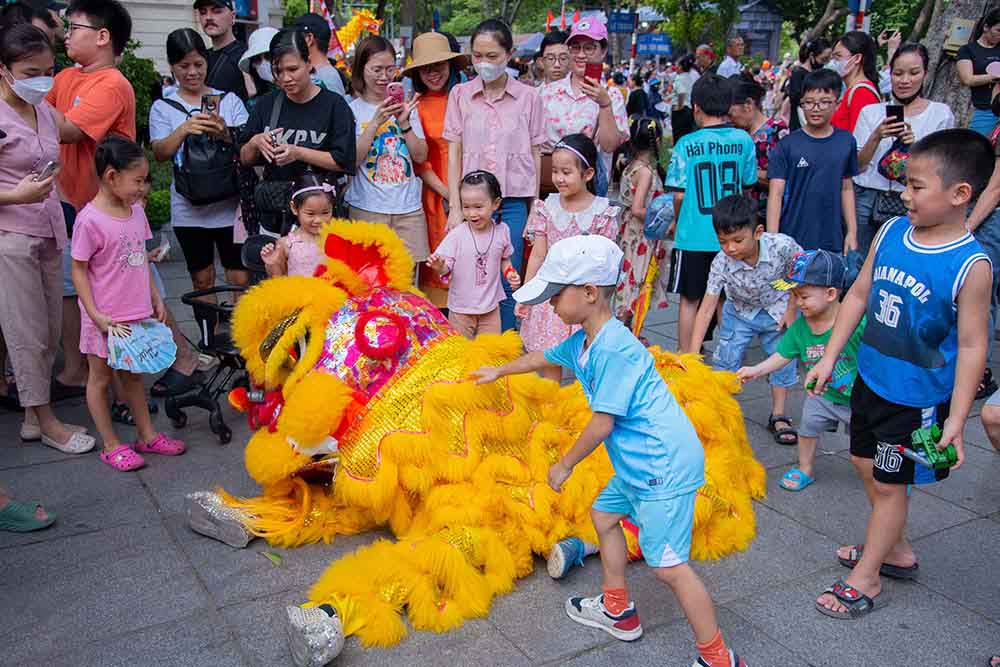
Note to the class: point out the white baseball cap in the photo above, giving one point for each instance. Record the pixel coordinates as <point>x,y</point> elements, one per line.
<point>578,260</point>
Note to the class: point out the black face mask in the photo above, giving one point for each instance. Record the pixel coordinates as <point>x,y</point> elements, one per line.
<point>906,100</point>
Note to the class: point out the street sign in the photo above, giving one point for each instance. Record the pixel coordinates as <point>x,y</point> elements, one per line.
<point>654,44</point>
<point>623,22</point>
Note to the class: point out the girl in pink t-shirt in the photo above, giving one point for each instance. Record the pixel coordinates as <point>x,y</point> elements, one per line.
<point>571,211</point>
<point>472,257</point>
<point>112,278</point>
<point>298,253</point>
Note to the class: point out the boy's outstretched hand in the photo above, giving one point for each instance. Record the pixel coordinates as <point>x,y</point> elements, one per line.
<point>558,474</point>
<point>485,375</point>
<point>952,434</point>
<point>747,373</point>
<point>818,374</point>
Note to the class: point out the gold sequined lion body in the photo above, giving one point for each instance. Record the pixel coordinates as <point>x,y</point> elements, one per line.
<point>366,420</point>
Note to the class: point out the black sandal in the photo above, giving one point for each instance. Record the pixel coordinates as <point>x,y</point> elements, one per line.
<point>987,386</point>
<point>858,604</point>
<point>120,412</point>
<point>173,382</point>
<point>781,434</point>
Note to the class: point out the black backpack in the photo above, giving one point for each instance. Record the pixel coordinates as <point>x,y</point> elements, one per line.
<point>207,173</point>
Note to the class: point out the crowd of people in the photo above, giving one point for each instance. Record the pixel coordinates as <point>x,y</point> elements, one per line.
<point>788,185</point>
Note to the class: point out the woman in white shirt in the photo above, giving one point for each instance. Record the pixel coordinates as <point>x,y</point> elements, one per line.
<point>200,230</point>
<point>875,195</point>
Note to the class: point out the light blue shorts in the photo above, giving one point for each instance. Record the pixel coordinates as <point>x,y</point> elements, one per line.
<point>664,525</point>
<point>735,335</point>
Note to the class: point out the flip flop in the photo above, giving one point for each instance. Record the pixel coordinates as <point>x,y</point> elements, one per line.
<point>887,570</point>
<point>123,459</point>
<point>795,480</point>
<point>78,443</point>
<point>20,517</point>
<point>858,604</point>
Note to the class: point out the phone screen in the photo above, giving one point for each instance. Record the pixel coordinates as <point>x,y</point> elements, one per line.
<point>395,91</point>
<point>894,111</point>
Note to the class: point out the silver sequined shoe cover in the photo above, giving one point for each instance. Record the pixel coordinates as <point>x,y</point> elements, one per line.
<point>208,515</point>
<point>315,638</point>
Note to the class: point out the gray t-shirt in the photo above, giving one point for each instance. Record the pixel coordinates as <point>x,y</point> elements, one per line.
<point>329,78</point>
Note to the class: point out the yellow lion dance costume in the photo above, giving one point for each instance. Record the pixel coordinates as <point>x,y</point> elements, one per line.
<point>367,420</point>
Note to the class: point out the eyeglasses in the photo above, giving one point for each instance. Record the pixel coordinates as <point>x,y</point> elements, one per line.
<point>377,72</point>
<point>589,49</point>
<point>552,60</point>
<point>70,27</point>
<point>817,105</point>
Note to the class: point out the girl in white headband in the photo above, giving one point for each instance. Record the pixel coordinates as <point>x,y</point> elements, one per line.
<point>298,254</point>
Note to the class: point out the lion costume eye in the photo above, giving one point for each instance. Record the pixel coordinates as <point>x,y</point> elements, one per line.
<point>271,340</point>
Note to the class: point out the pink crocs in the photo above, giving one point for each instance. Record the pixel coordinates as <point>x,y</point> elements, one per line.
<point>123,459</point>
<point>161,444</point>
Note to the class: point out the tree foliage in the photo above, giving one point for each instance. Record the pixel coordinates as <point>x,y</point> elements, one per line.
<point>804,15</point>
<point>141,73</point>
<point>692,22</point>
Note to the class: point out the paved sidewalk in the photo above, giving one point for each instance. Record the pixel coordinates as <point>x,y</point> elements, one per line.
<point>121,580</point>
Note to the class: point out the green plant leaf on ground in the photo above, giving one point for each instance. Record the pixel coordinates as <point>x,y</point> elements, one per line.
<point>273,557</point>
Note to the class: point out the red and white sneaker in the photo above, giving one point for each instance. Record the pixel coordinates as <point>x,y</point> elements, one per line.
<point>734,661</point>
<point>592,612</point>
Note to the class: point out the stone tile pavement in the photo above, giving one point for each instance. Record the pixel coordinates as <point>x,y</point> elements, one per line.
<point>121,580</point>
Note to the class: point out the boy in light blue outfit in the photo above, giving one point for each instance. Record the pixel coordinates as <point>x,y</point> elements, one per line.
<point>658,460</point>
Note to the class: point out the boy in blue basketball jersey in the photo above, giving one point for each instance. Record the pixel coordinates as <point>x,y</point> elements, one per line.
<point>925,289</point>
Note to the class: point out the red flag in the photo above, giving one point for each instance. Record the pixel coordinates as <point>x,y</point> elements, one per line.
<point>576,16</point>
<point>562,21</point>
<point>548,21</point>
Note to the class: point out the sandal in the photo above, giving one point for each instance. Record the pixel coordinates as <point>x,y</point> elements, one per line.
<point>858,604</point>
<point>121,413</point>
<point>886,570</point>
<point>20,517</point>
<point>783,436</point>
<point>987,386</point>
<point>173,382</point>
<point>123,459</point>
<point>161,444</point>
<point>795,480</point>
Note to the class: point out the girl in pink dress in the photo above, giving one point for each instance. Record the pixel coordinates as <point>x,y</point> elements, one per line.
<point>572,211</point>
<point>298,254</point>
<point>112,277</point>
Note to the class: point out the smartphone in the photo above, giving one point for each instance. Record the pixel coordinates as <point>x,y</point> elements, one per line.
<point>210,104</point>
<point>894,111</point>
<point>394,91</point>
<point>47,171</point>
<point>275,138</point>
<point>594,71</point>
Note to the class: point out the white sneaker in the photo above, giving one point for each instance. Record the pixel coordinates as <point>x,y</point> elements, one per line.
<point>592,613</point>
<point>315,638</point>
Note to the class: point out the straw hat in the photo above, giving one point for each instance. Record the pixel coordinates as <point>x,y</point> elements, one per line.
<point>430,48</point>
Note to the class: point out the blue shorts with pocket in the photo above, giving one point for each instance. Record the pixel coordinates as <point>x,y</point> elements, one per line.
<point>735,335</point>
<point>664,524</point>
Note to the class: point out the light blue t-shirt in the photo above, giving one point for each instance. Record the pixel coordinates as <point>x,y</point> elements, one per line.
<point>707,165</point>
<point>653,445</point>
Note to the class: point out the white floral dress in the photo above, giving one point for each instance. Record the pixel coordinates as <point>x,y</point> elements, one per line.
<point>542,328</point>
<point>637,248</point>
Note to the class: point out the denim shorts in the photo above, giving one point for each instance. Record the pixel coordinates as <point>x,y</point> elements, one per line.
<point>735,335</point>
<point>664,524</point>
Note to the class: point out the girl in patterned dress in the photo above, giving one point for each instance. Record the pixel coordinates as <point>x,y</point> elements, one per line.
<point>639,184</point>
<point>572,211</point>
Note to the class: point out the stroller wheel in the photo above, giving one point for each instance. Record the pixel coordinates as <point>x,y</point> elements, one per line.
<point>180,421</point>
<point>225,435</point>
<point>219,428</point>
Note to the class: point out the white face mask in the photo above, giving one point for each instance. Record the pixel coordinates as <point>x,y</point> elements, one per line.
<point>489,72</point>
<point>837,66</point>
<point>264,71</point>
<point>32,90</point>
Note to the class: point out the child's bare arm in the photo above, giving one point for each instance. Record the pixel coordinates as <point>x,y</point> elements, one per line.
<point>775,195</point>
<point>533,361</point>
<point>701,322</point>
<point>850,215</point>
<point>973,338</point>
<point>597,430</point>
<point>773,363</point>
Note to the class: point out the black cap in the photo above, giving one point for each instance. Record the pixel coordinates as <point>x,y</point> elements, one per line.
<point>46,4</point>
<point>227,4</point>
<point>316,25</point>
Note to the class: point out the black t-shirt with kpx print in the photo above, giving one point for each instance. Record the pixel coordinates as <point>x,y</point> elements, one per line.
<point>324,123</point>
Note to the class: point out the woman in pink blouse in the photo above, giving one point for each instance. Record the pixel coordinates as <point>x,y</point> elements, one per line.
<point>494,123</point>
<point>32,232</point>
<point>577,104</point>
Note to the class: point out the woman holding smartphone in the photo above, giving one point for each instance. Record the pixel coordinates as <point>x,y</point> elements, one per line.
<point>32,233</point>
<point>196,109</point>
<point>909,117</point>
<point>390,141</point>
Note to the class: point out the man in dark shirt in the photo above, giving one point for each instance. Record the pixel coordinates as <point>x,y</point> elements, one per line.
<point>217,18</point>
